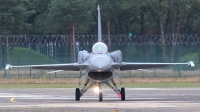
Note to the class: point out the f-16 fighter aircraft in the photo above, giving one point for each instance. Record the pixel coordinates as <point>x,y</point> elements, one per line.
<point>100,66</point>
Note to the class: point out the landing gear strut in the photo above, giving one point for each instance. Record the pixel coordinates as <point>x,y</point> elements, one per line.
<point>120,93</point>
<point>79,93</point>
<point>100,94</point>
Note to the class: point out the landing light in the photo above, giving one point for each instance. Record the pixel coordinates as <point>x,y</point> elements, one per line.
<point>96,89</point>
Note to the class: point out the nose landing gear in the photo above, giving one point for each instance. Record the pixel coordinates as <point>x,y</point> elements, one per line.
<point>100,97</point>
<point>97,89</point>
<point>79,93</point>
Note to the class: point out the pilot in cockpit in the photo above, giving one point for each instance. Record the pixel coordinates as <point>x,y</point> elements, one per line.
<point>99,48</point>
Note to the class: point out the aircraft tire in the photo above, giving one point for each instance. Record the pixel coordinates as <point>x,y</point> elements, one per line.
<point>77,94</point>
<point>100,97</point>
<point>123,94</point>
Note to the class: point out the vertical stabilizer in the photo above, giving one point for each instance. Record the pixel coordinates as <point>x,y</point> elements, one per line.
<point>99,25</point>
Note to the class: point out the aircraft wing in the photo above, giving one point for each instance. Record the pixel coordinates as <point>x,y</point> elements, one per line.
<point>136,66</point>
<point>67,67</point>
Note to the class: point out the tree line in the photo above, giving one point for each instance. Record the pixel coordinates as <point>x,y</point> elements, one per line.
<point>70,17</point>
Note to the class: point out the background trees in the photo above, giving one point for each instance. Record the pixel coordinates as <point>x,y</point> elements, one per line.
<point>63,16</point>
<point>13,17</point>
<point>78,17</point>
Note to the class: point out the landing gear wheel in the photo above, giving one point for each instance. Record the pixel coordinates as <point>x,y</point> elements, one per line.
<point>77,94</point>
<point>123,94</point>
<point>100,97</point>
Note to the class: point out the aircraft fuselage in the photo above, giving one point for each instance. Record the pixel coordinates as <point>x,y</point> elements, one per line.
<point>100,62</point>
<point>100,69</point>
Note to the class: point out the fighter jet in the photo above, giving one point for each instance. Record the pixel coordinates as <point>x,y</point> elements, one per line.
<point>100,66</point>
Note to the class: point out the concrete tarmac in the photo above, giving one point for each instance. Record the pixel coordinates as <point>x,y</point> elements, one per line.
<point>137,100</point>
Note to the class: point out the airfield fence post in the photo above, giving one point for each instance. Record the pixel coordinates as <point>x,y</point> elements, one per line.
<point>18,67</point>
<point>174,71</point>
<point>80,73</point>
<point>49,75</point>
<point>179,67</point>
<point>55,75</point>
<point>1,55</point>
<point>55,58</point>
<point>4,73</point>
<point>154,59</point>
<point>4,50</point>
<point>30,59</point>
<point>48,50</point>
<point>142,74</point>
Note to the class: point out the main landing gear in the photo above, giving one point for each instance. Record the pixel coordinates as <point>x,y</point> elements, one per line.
<point>77,94</point>
<point>120,93</point>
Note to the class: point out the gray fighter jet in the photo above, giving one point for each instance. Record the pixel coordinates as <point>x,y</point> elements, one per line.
<point>100,66</point>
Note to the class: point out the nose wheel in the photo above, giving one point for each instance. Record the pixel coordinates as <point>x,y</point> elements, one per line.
<point>100,94</point>
<point>100,97</point>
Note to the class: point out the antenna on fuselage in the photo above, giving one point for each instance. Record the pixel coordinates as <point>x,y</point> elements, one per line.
<point>99,25</point>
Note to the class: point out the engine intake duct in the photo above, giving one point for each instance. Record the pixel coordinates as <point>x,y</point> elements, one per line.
<point>100,75</point>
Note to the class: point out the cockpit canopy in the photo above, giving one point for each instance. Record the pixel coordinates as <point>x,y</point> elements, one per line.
<point>99,48</point>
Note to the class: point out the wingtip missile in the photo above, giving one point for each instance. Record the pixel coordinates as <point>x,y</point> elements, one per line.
<point>8,66</point>
<point>191,63</point>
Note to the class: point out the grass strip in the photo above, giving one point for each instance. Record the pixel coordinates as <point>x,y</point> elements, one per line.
<point>129,85</point>
<point>163,85</point>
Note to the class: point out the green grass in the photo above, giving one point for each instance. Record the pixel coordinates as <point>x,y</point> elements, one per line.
<point>24,56</point>
<point>163,85</point>
<point>39,85</point>
<point>129,85</point>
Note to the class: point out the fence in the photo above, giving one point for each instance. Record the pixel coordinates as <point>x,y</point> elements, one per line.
<point>67,40</point>
<point>58,49</point>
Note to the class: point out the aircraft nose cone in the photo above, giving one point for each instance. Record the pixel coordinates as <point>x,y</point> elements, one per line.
<point>100,63</point>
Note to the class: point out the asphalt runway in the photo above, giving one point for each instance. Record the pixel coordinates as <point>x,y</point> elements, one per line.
<point>137,100</point>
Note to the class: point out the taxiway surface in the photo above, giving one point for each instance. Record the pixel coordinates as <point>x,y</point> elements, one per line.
<point>137,99</point>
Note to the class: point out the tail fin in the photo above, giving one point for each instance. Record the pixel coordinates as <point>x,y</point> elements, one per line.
<point>99,25</point>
